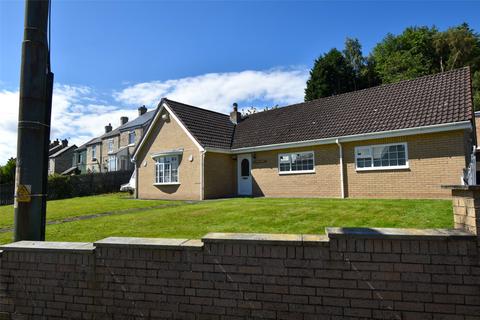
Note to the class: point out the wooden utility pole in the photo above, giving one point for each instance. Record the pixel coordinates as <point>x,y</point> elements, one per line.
<point>36,84</point>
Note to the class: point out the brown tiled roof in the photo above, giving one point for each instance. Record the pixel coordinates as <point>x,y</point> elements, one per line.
<point>430,100</point>
<point>210,128</point>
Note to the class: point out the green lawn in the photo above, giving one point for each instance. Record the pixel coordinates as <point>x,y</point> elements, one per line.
<point>193,220</point>
<point>61,209</point>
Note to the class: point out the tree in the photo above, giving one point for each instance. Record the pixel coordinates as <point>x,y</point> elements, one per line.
<point>7,172</point>
<point>457,47</point>
<point>353,56</point>
<point>417,51</point>
<point>331,74</point>
<point>476,90</point>
<point>369,76</point>
<point>406,56</point>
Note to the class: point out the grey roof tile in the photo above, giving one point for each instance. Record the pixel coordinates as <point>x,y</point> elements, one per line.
<point>140,121</point>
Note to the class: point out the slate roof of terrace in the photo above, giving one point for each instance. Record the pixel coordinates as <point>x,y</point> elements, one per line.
<point>436,99</point>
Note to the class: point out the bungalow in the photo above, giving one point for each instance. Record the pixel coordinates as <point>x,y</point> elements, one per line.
<point>401,140</point>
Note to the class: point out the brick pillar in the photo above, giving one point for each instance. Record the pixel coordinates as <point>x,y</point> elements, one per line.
<point>466,208</point>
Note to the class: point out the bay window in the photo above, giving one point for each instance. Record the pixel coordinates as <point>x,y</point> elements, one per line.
<point>166,169</point>
<point>112,163</point>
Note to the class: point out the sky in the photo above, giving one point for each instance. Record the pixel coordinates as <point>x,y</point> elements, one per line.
<point>110,57</point>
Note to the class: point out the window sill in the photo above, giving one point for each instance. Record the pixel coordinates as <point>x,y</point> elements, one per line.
<point>296,172</point>
<point>131,145</point>
<point>167,184</point>
<point>383,168</point>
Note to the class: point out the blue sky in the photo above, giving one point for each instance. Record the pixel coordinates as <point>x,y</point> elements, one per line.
<point>109,57</point>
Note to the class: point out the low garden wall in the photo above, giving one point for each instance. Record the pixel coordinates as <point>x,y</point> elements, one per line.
<point>349,273</point>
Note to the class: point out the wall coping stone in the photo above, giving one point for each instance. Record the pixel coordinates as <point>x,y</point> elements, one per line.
<point>148,243</point>
<point>266,238</point>
<point>315,239</point>
<point>259,238</point>
<point>397,233</point>
<point>462,187</point>
<point>51,246</point>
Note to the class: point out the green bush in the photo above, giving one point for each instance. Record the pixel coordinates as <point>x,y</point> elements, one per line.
<point>59,187</point>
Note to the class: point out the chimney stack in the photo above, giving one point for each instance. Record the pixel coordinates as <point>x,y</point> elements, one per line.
<point>235,116</point>
<point>142,110</point>
<point>53,143</point>
<point>123,120</point>
<point>108,128</point>
<point>64,143</point>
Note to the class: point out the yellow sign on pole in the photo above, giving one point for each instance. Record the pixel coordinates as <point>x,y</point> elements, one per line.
<point>23,193</point>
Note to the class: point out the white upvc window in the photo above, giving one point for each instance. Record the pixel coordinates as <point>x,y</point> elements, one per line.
<point>382,157</point>
<point>166,170</point>
<point>297,162</point>
<point>110,145</point>
<point>131,137</point>
<point>94,152</point>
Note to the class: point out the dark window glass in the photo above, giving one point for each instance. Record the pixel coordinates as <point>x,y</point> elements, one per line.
<point>245,168</point>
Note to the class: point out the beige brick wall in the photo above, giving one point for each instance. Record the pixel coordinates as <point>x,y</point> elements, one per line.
<point>220,175</point>
<point>124,139</point>
<point>168,135</point>
<point>116,146</point>
<point>325,182</point>
<point>434,160</point>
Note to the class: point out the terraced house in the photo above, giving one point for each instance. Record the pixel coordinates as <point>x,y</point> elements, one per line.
<point>401,140</point>
<point>113,150</point>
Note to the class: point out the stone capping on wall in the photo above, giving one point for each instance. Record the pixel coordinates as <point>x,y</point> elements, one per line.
<point>254,238</point>
<point>265,238</point>
<point>50,246</point>
<point>398,234</point>
<point>151,243</point>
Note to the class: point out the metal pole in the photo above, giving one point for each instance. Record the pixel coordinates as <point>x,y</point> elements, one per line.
<point>36,83</point>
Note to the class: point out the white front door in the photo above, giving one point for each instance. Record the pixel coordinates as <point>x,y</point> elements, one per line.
<point>244,166</point>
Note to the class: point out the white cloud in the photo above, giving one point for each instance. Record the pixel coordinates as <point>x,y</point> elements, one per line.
<point>75,115</point>
<point>8,124</point>
<point>80,113</point>
<point>217,91</point>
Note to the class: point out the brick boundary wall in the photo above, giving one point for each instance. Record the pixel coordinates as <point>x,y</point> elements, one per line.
<point>350,273</point>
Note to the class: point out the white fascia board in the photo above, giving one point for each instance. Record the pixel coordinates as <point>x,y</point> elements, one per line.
<point>219,150</point>
<point>152,124</point>
<point>358,137</point>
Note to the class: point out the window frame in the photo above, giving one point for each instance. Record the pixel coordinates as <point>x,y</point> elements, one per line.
<point>110,145</point>
<point>112,158</point>
<point>130,133</point>
<point>94,152</point>
<point>372,168</point>
<point>297,171</point>
<point>155,165</point>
